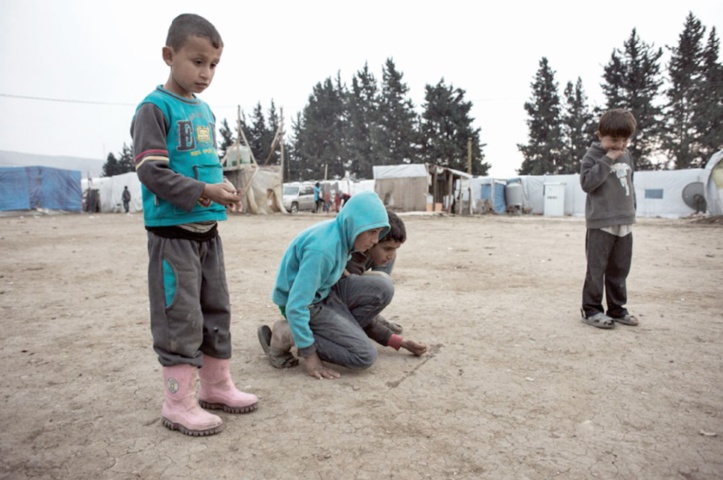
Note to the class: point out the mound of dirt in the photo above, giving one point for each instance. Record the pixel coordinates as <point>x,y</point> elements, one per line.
<point>714,220</point>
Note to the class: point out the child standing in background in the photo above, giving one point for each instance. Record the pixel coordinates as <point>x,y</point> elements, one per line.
<point>606,175</point>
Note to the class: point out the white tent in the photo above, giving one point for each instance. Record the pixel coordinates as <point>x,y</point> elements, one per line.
<point>110,190</point>
<point>402,187</point>
<point>533,193</point>
<point>713,181</point>
<point>658,193</point>
<point>360,186</point>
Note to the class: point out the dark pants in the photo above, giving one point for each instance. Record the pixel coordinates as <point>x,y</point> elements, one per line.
<point>608,264</point>
<point>340,321</point>
<point>189,300</point>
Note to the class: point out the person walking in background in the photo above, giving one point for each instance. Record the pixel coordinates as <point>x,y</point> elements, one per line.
<point>327,200</point>
<point>337,200</point>
<point>317,197</point>
<point>606,175</point>
<point>184,197</point>
<point>126,199</point>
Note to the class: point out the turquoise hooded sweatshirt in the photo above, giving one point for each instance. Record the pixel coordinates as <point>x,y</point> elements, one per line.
<point>316,258</point>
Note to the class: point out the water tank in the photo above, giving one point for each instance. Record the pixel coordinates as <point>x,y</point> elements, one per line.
<point>513,195</point>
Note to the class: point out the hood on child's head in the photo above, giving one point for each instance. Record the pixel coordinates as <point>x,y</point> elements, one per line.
<point>363,211</point>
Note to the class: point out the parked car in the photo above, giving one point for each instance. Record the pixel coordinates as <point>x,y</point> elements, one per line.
<point>299,196</point>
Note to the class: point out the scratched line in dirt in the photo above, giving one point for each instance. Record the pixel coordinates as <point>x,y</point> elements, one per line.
<point>433,350</point>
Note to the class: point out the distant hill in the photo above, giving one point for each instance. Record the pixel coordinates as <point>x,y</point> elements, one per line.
<point>86,166</point>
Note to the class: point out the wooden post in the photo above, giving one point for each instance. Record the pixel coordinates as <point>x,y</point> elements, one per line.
<point>469,155</point>
<point>281,152</point>
<point>450,189</point>
<point>238,140</point>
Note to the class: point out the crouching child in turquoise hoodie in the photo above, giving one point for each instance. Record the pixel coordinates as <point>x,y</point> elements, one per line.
<point>322,318</point>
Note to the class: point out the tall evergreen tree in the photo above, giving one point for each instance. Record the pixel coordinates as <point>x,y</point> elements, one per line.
<point>293,165</point>
<point>578,127</point>
<point>362,128</point>
<point>123,164</point>
<point>227,138</point>
<point>632,81</point>
<point>269,135</point>
<point>257,134</point>
<point>685,71</point>
<point>397,119</point>
<point>709,112</point>
<point>319,148</point>
<point>543,151</point>
<point>111,167</point>
<point>126,162</point>
<point>446,129</point>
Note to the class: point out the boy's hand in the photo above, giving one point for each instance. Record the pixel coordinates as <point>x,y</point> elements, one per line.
<point>416,348</point>
<point>614,154</point>
<point>222,193</point>
<point>316,368</point>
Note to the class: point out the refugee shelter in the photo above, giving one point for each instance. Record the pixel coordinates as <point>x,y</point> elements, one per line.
<point>402,188</point>
<point>713,184</point>
<point>422,187</point>
<point>34,188</point>
<point>658,193</point>
<point>260,186</point>
<point>105,194</point>
<point>487,195</point>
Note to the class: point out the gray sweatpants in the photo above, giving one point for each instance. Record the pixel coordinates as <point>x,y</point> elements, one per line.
<point>338,321</point>
<point>189,300</point>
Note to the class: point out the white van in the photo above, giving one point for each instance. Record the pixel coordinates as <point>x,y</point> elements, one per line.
<point>299,196</point>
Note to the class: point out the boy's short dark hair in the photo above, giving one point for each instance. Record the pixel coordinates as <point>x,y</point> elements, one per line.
<point>397,231</point>
<point>617,122</point>
<point>189,25</point>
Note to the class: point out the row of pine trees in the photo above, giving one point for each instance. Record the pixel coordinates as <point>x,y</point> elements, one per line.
<point>352,127</point>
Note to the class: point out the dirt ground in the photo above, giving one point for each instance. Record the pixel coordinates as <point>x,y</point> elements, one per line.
<point>514,385</point>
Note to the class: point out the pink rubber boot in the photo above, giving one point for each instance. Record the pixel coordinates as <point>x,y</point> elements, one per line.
<point>180,409</point>
<point>218,391</point>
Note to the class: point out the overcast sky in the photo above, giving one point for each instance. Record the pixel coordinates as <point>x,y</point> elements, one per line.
<point>102,58</point>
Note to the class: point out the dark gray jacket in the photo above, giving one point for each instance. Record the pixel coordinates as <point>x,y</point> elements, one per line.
<point>609,187</point>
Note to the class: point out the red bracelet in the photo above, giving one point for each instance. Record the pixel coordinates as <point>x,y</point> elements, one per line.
<point>395,341</point>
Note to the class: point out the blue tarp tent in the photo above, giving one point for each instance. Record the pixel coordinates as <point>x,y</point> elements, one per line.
<point>29,188</point>
<point>493,190</point>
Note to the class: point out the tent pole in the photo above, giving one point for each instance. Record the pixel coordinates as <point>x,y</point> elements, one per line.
<point>281,151</point>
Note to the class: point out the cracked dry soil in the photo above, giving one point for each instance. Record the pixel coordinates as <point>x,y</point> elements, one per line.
<point>514,385</point>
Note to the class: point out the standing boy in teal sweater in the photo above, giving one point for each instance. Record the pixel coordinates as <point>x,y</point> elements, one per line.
<point>184,198</point>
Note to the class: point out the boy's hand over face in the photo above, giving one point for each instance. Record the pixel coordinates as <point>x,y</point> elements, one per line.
<point>614,154</point>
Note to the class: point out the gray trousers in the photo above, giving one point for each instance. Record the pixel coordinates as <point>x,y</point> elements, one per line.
<point>339,321</point>
<point>608,264</point>
<point>189,300</point>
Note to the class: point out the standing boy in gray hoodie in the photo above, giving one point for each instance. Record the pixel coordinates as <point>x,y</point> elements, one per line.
<point>606,175</point>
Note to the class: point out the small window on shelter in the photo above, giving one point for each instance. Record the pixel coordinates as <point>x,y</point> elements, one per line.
<point>654,193</point>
